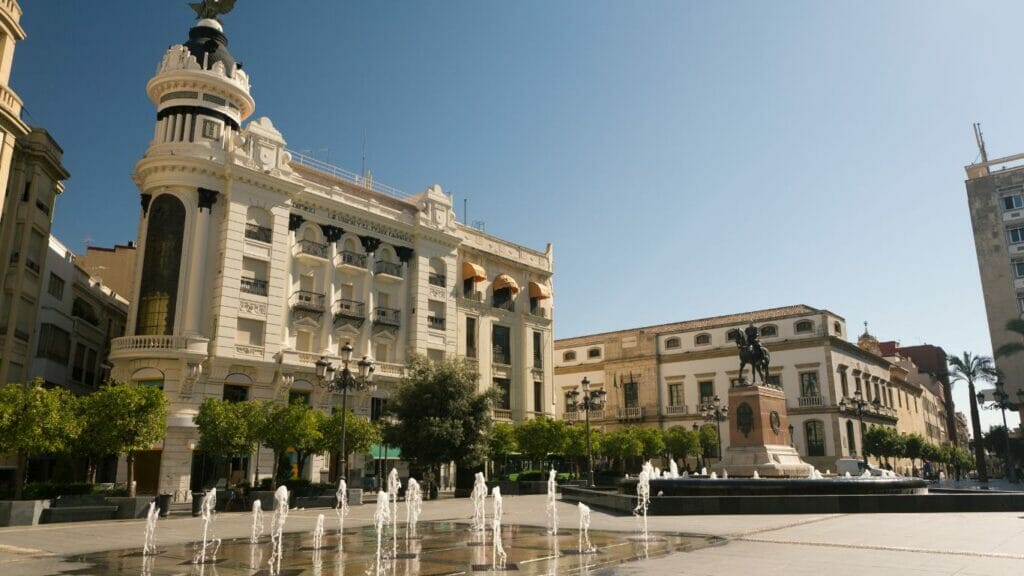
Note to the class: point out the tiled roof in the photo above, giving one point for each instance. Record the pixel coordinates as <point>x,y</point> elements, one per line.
<point>708,323</point>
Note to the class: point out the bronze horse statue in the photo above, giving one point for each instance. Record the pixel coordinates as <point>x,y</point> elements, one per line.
<point>752,353</point>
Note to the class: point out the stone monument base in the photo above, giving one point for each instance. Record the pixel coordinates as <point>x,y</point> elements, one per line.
<point>769,461</point>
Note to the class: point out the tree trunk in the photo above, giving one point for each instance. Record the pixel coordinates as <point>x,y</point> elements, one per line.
<point>130,459</point>
<point>273,472</point>
<point>20,473</point>
<point>979,449</point>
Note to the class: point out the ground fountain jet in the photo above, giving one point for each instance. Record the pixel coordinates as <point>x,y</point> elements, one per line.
<point>341,509</point>
<point>413,507</point>
<point>498,556</point>
<point>381,518</point>
<point>552,506</point>
<point>210,543</point>
<point>393,487</point>
<point>585,547</point>
<point>277,527</point>
<point>643,496</point>
<point>479,497</point>
<point>149,544</point>
<point>257,521</point>
<point>673,469</point>
<point>318,532</point>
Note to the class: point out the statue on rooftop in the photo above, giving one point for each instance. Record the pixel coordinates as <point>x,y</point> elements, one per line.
<point>212,8</point>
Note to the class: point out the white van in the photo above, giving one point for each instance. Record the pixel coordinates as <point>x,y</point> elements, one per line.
<point>856,468</point>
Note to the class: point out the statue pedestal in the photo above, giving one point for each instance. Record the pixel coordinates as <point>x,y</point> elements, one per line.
<point>759,436</point>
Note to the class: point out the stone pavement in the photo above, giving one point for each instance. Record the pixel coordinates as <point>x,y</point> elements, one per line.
<point>907,544</point>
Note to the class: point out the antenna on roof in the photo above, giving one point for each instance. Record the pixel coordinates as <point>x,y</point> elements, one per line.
<point>980,139</point>
<point>465,210</point>
<point>362,169</point>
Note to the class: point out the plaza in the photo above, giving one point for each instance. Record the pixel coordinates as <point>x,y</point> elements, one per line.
<point>986,544</point>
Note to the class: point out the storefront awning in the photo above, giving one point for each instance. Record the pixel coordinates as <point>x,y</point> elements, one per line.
<point>539,291</point>
<point>473,271</point>
<point>505,281</point>
<point>378,452</point>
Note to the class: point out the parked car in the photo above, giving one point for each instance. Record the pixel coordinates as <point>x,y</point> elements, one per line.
<point>857,467</point>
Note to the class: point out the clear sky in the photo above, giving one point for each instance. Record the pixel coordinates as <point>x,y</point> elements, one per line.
<point>686,159</point>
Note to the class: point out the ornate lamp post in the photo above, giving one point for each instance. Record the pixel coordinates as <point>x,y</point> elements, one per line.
<point>1001,400</point>
<point>342,381</point>
<point>700,455</point>
<point>858,403</point>
<point>591,400</point>
<point>714,412</point>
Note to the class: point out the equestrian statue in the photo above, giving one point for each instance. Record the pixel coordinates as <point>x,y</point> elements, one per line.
<point>752,352</point>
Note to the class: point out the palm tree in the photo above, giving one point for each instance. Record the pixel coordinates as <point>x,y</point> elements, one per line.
<point>1017,327</point>
<point>971,369</point>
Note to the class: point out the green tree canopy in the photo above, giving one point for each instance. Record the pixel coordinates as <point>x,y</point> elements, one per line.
<point>681,442</point>
<point>653,441</point>
<point>360,434</point>
<point>621,444</point>
<point>441,416</point>
<point>223,428</point>
<point>874,441</point>
<point>708,436</point>
<point>539,437</point>
<point>293,426</point>
<point>35,419</point>
<point>913,447</point>
<point>502,441</point>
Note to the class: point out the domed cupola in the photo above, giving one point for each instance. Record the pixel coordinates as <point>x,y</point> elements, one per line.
<point>209,45</point>
<point>869,342</point>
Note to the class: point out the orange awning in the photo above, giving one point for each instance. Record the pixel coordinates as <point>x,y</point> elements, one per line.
<point>505,281</point>
<point>539,291</point>
<point>474,271</point>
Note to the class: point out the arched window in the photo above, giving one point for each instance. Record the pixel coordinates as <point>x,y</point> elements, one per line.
<point>594,353</point>
<point>236,387</point>
<point>569,356</point>
<point>149,377</point>
<point>837,328</point>
<point>814,432</point>
<point>851,438</point>
<point>803,326</point>
<point>161,266</point>
<point>732,335</point>
<point>672,343</point>
<point>769,331</point>
<point>702,339</point>
<point>258,224</point>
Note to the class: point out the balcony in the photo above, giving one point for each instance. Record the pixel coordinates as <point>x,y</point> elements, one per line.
<point>579,416</point>
<point>349,310</point>
<point>539,311</point>
<point>501,356</point>
<point>310,249</point>
<point>632,413</point>
<point>388,370</point>
<point>435,323</point>
<point>350,261</point>
<point>32,264</point>
<point>387,316</point>
<point>258,233</point>
<point>437,280</point>
<point>9,101</point>
<point>677,410</point>
<point>388,271</point>
<point>810,401</point>
<point>501,415</point>
<point>509,305</point>
<point>307,301</point>
<point>254,286</point>
<point>158,345</point>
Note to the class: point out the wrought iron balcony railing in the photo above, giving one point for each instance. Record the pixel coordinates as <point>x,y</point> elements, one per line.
<point>258,233</point>
<point>389,268</point>
<point>254,286</point>
<point>306,300</point>
<point>310,248</point>
<point>387,316</point>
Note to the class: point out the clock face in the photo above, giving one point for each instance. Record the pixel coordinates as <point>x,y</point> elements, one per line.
<point>775,421</point>
<point>745,418</point>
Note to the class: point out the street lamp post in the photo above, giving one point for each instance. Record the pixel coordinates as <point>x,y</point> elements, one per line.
<point>714,411</point>
<point>1001,400</point>
<point>858,403</point>
<point>342,381</point>
<point>700,456</point>
<point>590,400</point>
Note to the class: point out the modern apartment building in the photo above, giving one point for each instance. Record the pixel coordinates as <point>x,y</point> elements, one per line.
<point>255,261</point>
<point>660,376</point>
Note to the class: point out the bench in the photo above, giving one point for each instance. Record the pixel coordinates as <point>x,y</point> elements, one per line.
<point>77,514</point>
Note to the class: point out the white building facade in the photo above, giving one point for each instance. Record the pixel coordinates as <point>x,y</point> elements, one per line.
<point>255,262</point>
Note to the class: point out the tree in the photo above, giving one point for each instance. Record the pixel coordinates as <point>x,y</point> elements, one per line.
<point>653,441</point>
<point>621,444</point>
<point>441,416</point>
<point>892,445</point>
<point>229,429</point>
<point>92,440</point>
<point>708,436</point>
<point>35,419</point>
<point>293,426</point>
<point>539,437</point>
<point>874,442</point>
<point>134,418</point>
<point>502,442</point>
<point>969,368</point>
<point>913,446</point>
<point>576,444</point>
<point>681,442</point>
<point>995,442</point>
<point>360,436</point>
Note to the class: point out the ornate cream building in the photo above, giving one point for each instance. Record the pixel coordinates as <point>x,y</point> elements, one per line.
<point>12,126</point>
<point>255,261</point>
<point>660,376</point>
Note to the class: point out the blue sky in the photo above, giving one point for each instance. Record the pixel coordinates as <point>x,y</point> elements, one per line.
<point>686,159</point>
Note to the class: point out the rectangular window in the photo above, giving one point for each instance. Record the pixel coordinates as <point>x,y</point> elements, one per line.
<point>54,344</point>
<point>501,344</point>
<point>90,367</point>
<point>504,388</point>
<point>56,287</point>
<point>675,394</point>
<point>304,341</point>
<point>707,392</point>
<point>538,396</point>
<point>774,380</point>
<point>1013,202</point>
<point>809,384</point>
<point>1016,234</point>
<point>250,332</point>
<point>538,350</point>
<point>236,393</point>
<point>435,314</point>
<point>1018,268</point>
<point>378,406</point>
<point>470,337</point>
<point>382,353</point>
<point>78,368</point>
<point>815,432</point>
<point>632,394</point>
<point>844,384</point>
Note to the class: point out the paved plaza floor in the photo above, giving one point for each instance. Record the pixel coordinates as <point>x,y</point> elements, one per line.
<point>907,544</point>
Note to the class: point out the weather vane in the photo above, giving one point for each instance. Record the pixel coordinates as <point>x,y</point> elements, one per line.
<point>212,8</point>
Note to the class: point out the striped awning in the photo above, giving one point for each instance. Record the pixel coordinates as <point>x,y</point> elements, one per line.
<point>539,291</point>
<point>505,281</point>
<point>473,271</point>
